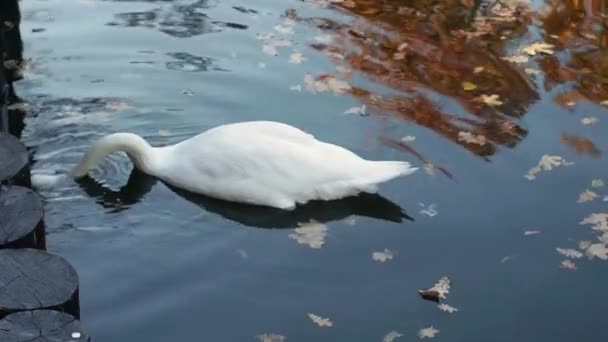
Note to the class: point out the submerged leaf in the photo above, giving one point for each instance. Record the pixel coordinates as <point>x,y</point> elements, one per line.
<point>439,290</point>
<point>568,265</point>
<point>320,321</point>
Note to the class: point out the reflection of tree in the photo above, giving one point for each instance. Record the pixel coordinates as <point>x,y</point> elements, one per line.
<point>429,48</point>
<point>579,27</point>
<point>178,20</point>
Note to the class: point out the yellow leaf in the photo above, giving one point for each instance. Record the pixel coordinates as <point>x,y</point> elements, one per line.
<point>468,86</point>
<point>535,48</point>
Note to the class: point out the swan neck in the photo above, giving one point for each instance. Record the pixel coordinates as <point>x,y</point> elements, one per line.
<point>138,150</point>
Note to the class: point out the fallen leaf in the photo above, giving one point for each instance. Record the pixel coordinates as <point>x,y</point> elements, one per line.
<point>478,69</point>
<point>535,48</point>
<point>584,244</point>
<point>491,100</point>
<point>470,138</point>
<point>439,290</point>
<point>468,86</point>
<point>587,196</point>
<point>357,110</point>
<point>447,308</point>
<point>297,58</point>
<point>297,87</point>
<point>264,36</point>
<point>547,163</point>
<point>320,321</point>
<point>408,138</point>
<point>599,222</point>
<point>531,71</point>
<point>270,50</point>
<point>429,168</point>
<point>391,336</point>
<point>506,258</point>
<point>516,59</point>
<point>597,183</point>
<point>589,120</point>
<point>429,332</point>
<point>271,338</point>
<point>383,256</point>
<point>311,233</point>
<point>597,250</point>
<point>531,232</point>
<point>569,253</point>
<point>429,211</point>
<point>568,265</point>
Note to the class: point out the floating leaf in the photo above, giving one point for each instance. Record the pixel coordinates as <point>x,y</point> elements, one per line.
<point>429,332</point>
<point>270,50</point>
<point>597,250</point>
<point>468,86</point>
<point>490,100</point>
<point>311,233</point>
<point>320,321</point>
<point>590,120</point>
<point>439,290</point>
<point>597,183</point>
<point>296,87</point>
<point>536,48</point>
<point>383,256</point>
<point>568,265</point>
<point>297,58</point>
<point>357,110</point>
<point>271,338</point>
<point>547,163</point>
<point>569,253</point>
<point>516,59</point>
<point>470,138</point>
<point>391,336</point>
<point>429,211</point>
<point>447,308</point>
<point>587,196</point>
<point>599,222</point>
<point>584,244</point>
<point>408,138</point>
<point>531,232</point>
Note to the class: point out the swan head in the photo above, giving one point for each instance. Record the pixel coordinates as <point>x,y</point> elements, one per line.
<point>138,150</point>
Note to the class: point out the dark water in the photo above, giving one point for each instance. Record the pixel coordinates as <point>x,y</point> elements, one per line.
<point>158,265</point>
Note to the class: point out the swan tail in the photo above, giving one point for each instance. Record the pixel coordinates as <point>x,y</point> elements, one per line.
<point>383,171</point>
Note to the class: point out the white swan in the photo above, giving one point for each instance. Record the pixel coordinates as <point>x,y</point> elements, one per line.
<point>260,162</point>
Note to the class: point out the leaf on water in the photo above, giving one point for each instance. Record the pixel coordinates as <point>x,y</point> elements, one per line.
<point>264,36</point>
<point>447,308</point>
<point>297,87</point>
<point>531,232</point>
<point>338,86</point>
<point>569,253</point>
<point>429,211</point>
<point>587,196</point>
<point>490,100</point>
<point>599,222</point>
<point>383,256</point>
<point>284,28</point>
<point>537,48</point>
<point>470,138</point>
<point>357,110</point>
<point>547,163</point>
<point>408,138</point>
<point>391,336</point>
<point>531,71</point>
<point>429,332</point>
<point>506,259</point>
<point>320,321</point>
<point>468,86</point>
<point>584,244</point>
<point>568,265</point>
<point>271,338</point>
<point>297,58</point>
<point>429,168</point>
<point>311,233</point>
<point>478,69</point>
<point>597,183</point>
<point>516,59</point>
<point>439,290</point>
<point>597,250</point>
<point>590,120</point>
<point>270,50</point>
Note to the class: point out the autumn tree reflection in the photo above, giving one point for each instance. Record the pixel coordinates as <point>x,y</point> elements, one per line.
<point>426,50</point>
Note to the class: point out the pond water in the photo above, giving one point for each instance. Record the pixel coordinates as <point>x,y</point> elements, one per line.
<point>159,265</point>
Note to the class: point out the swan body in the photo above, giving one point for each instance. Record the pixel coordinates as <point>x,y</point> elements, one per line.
<point>259,162</point>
